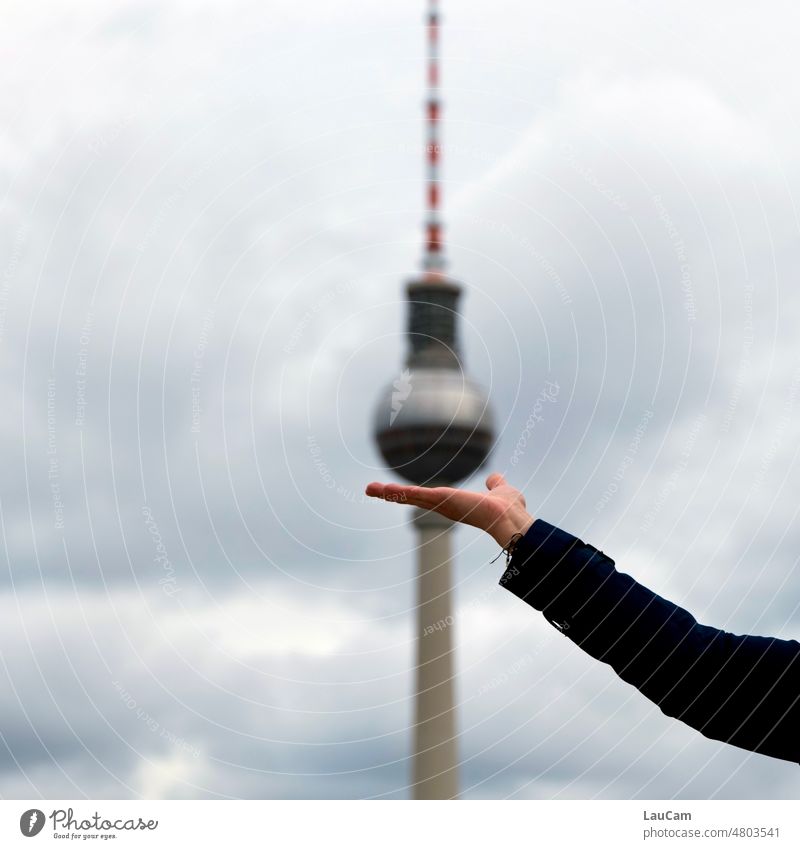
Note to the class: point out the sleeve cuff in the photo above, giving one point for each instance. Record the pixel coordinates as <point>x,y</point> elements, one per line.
<point>555,572</point>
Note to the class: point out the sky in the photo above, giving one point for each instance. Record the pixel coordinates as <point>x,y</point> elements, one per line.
<point>209,213</point>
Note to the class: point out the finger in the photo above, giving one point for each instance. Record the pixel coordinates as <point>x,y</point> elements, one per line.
<point>494,480</point>
<point>402,493</point>
<point>417,496</point>
<point>387,491</point>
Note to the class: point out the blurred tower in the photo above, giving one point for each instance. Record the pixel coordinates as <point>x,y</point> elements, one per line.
<point>433,426</point>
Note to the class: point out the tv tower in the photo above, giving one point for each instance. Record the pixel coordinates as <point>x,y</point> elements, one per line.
<point>434,427</point>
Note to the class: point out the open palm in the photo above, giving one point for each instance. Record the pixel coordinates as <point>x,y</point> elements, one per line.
<point>501,511</point>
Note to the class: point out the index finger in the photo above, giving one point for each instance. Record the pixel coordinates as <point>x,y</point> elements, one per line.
<point>418,496</point>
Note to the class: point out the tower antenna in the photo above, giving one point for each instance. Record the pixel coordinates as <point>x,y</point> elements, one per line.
<point>433,262</point>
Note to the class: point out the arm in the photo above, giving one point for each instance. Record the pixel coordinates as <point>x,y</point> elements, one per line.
<point>742,690</point>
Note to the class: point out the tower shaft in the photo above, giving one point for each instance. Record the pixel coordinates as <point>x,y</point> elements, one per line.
<point>435,772</point>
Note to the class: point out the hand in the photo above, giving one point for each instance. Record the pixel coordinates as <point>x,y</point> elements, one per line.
<point>501,511</point>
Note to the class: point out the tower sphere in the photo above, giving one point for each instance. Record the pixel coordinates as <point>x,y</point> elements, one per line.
<point>434,426</point>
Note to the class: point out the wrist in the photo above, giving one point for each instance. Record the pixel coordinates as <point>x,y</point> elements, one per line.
<point>510,526</point>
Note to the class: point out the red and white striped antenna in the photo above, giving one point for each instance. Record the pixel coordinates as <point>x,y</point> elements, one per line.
<point>433,261</point>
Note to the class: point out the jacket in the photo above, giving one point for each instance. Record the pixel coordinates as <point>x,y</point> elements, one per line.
<point>741,690</point>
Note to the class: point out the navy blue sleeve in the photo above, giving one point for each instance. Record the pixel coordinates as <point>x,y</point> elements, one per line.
<point>742,690</point>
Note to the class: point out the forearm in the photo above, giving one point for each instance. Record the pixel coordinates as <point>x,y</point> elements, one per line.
<point>743,690</point>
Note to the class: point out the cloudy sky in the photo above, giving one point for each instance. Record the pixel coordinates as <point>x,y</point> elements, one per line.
<point>209,213</point>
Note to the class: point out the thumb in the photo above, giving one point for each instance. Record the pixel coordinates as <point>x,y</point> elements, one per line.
<point>495,479</point>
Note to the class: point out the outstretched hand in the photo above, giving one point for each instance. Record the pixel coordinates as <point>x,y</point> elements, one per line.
<point>501,511</point>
